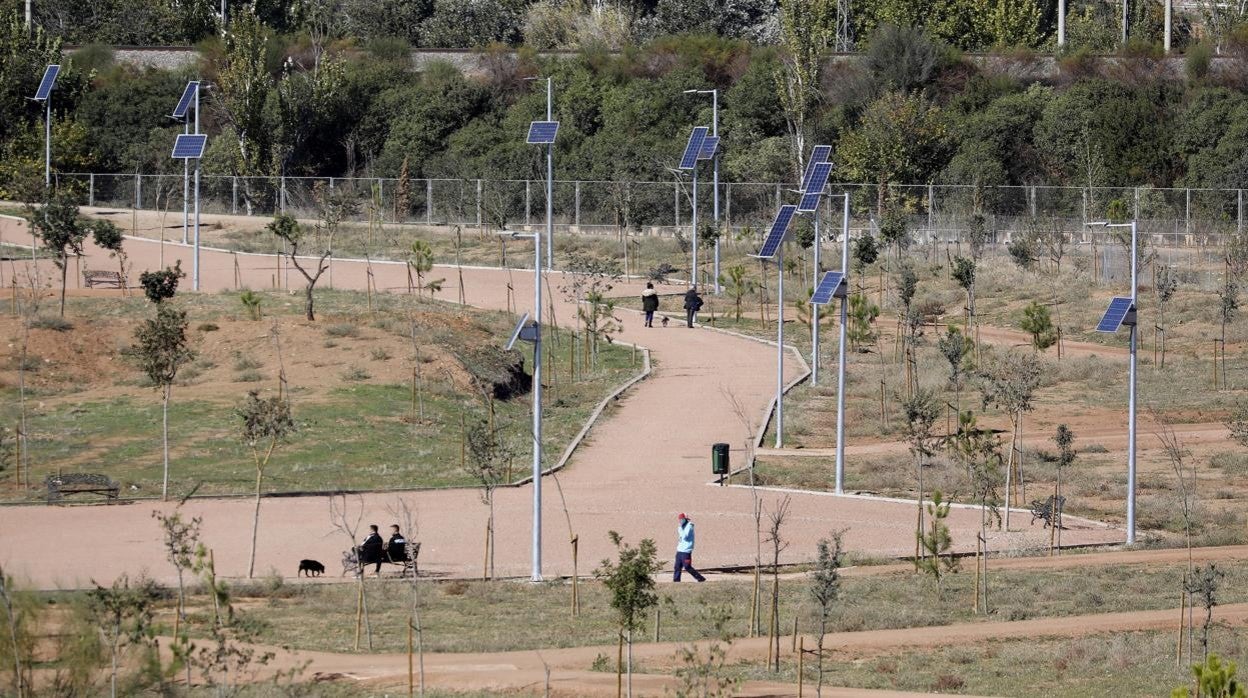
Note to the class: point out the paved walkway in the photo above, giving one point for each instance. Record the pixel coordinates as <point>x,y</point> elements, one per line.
<point>647,461</point>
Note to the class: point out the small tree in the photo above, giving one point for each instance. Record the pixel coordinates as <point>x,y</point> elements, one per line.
<point>420,261</point>
<point>937,543</point>
<point>487,464</point>
<point>738,286</point>
<point>964,273</point>
<point>160,286</point>
<point>1038,323</point>
<point>865,252</point>
<point>825,589</point>
<point>56,225</point>
<point>921,411</point>
<point>776,517</point>
<point>1228,304</point>
<point>1213,680</point>
<point>1065,440</point>
<point>17,643</point>
<point>1165,288</point>
<point>981,451</point>
<point>1023,252</point>
<point>181,538</point>
<point>1010,383</point>
<point>161,349</point>
<point>631,584</point>
<point>124,614</point>
<point>955,347</point>
<point>319,242</point>
<point>1203,586</point>
<point>251,303</point>
<point>265,423</point>
<point>862,313</point>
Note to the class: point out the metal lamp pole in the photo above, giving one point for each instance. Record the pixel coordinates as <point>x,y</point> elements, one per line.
<point>186,190</point>
<point>47,141</point>
<point>550,189</point>
<point>715,194</point>
<point>780,347</point>
<point>840,367</point>
<point>1131,371</point>
<point>537,393</point>
<point>195,281</point>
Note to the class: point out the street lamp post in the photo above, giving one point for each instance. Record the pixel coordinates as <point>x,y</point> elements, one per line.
<point>714,183</point>
<point>840,366</point>
<point>1131,371</point>
<point>535,336</point>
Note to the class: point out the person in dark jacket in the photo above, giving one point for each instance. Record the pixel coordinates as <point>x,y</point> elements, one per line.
<point>371,550</point>
<point>649,303</point>
<point>693,303</point>
<point>396,547</point>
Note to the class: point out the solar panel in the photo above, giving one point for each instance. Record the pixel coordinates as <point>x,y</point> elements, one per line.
<point>1115,314</point>
<point>779,228</point>
<point>542,132</point>
<point>827,288</point>
<point>45,85</point>
<point>818,155</point>
<point>814,190</point>
<point>184,104</point>
<point>189,146</point>
<point>709,146</point>
<point>693,149</point>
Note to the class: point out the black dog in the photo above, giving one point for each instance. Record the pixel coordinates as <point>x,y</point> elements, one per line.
<point>312,567</point>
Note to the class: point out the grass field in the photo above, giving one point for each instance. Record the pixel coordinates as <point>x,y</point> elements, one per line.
<point>349,378</point>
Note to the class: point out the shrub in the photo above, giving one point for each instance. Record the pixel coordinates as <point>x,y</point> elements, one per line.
<point>342,329</point>
<point>380,354</point>
<point>355,374</point>
<point>51,322</point>
<point>207,327</point>
<point>249,376</point>
<point>246,363</point>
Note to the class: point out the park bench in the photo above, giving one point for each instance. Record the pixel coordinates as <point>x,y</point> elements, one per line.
<point>351,560</point>
<point>80,483</point>
<point>100,277</point>
<point>1047,510</point>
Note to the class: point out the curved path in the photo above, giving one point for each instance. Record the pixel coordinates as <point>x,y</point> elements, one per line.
<point>647,461</point>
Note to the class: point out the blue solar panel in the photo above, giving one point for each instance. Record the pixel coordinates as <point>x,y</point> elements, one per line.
<point>184,104</point>
<point>45,85</point>
<point>827,288</point>
<point>779,228</point>
<point>709,146</point>
<point>693,149</point>
<point>818,155</point>
<point>189,145</point>
<point>542,132</point>
<point>1114,315</point>
<point>814,190</point>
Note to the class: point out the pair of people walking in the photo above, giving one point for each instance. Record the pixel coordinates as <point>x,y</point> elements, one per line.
<point>650,305</point>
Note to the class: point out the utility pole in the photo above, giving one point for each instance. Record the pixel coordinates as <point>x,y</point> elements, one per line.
<point>1169,22</point>
<point>1061,23</point>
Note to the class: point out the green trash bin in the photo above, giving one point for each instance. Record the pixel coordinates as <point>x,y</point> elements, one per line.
<point>719,460</point>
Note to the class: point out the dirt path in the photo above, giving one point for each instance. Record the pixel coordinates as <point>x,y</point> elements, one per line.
<point>645,463</point>
<point>569,673</point>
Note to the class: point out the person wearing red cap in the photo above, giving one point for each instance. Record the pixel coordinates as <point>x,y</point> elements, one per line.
<point>684,549</point>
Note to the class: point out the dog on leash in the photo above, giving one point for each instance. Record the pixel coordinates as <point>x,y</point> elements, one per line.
<point>665,321</point>
<point>312,567</point>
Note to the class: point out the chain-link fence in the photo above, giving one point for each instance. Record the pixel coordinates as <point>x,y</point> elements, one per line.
<point>1173,217</point>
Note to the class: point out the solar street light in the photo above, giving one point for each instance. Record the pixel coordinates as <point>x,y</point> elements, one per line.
<point>835,284</point>
<point>1122,311</point>
<point>773,248</point>
<point>44,94</point>
<point>695,150</point>
<point>190,146</point>
<point>714,171</point>
<point>813,183</point>
<point>190,93</point>
<point>543,133</point>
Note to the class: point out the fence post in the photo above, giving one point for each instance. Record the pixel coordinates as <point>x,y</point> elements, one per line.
<point>331,183</point>
<point>1239,210</point>
<point>1033,201</point>
<point>528,203</point>
<point>281,194</point>
<point>576,213</point>
<point>1083,193</point>
<point>381,195</point>
<point>931,209</point>
<point>728,206</point>
<point>428,202</point>
<point>1135,211</point>
<point>138,189</point>
<point>478,203</point>
<point>777,196</point>
<point>91,189</point>
<point>234,194</point>
<point>676,206</point>
<point>1187,211</point>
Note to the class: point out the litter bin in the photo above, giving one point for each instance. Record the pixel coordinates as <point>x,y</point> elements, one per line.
<point>719,460</point>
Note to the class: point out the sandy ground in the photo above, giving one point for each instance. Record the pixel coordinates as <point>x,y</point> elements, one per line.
<point>645,463</point>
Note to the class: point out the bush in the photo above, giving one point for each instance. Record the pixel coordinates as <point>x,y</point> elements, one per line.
<point>51,322</point>
<point>246,363</point>
<point>249,376</point>
<point>207,327</point>
<point>355,374</point>
<point>342,329</point>
<point>380,354</point>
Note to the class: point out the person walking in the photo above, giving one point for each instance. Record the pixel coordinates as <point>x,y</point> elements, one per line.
<point>649,303</point>
<point>684,549</point>
<point>693,303</point>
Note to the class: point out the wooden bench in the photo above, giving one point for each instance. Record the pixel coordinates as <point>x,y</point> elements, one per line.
<point>59,486</point>
<point>1047,510</point>
<point>351,560</point>
<point>100,277</point>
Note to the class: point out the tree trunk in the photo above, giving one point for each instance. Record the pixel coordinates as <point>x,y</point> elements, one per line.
<point>307,304</point>
<point>630,661</point>
<point>255,524</point>
<point>164,434</point>
<point>65,281</point>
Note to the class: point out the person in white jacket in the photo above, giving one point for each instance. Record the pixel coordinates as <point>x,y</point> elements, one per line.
<point>684,549</point>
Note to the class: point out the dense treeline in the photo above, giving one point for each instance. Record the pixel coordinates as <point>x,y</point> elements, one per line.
<point>910,109</point>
